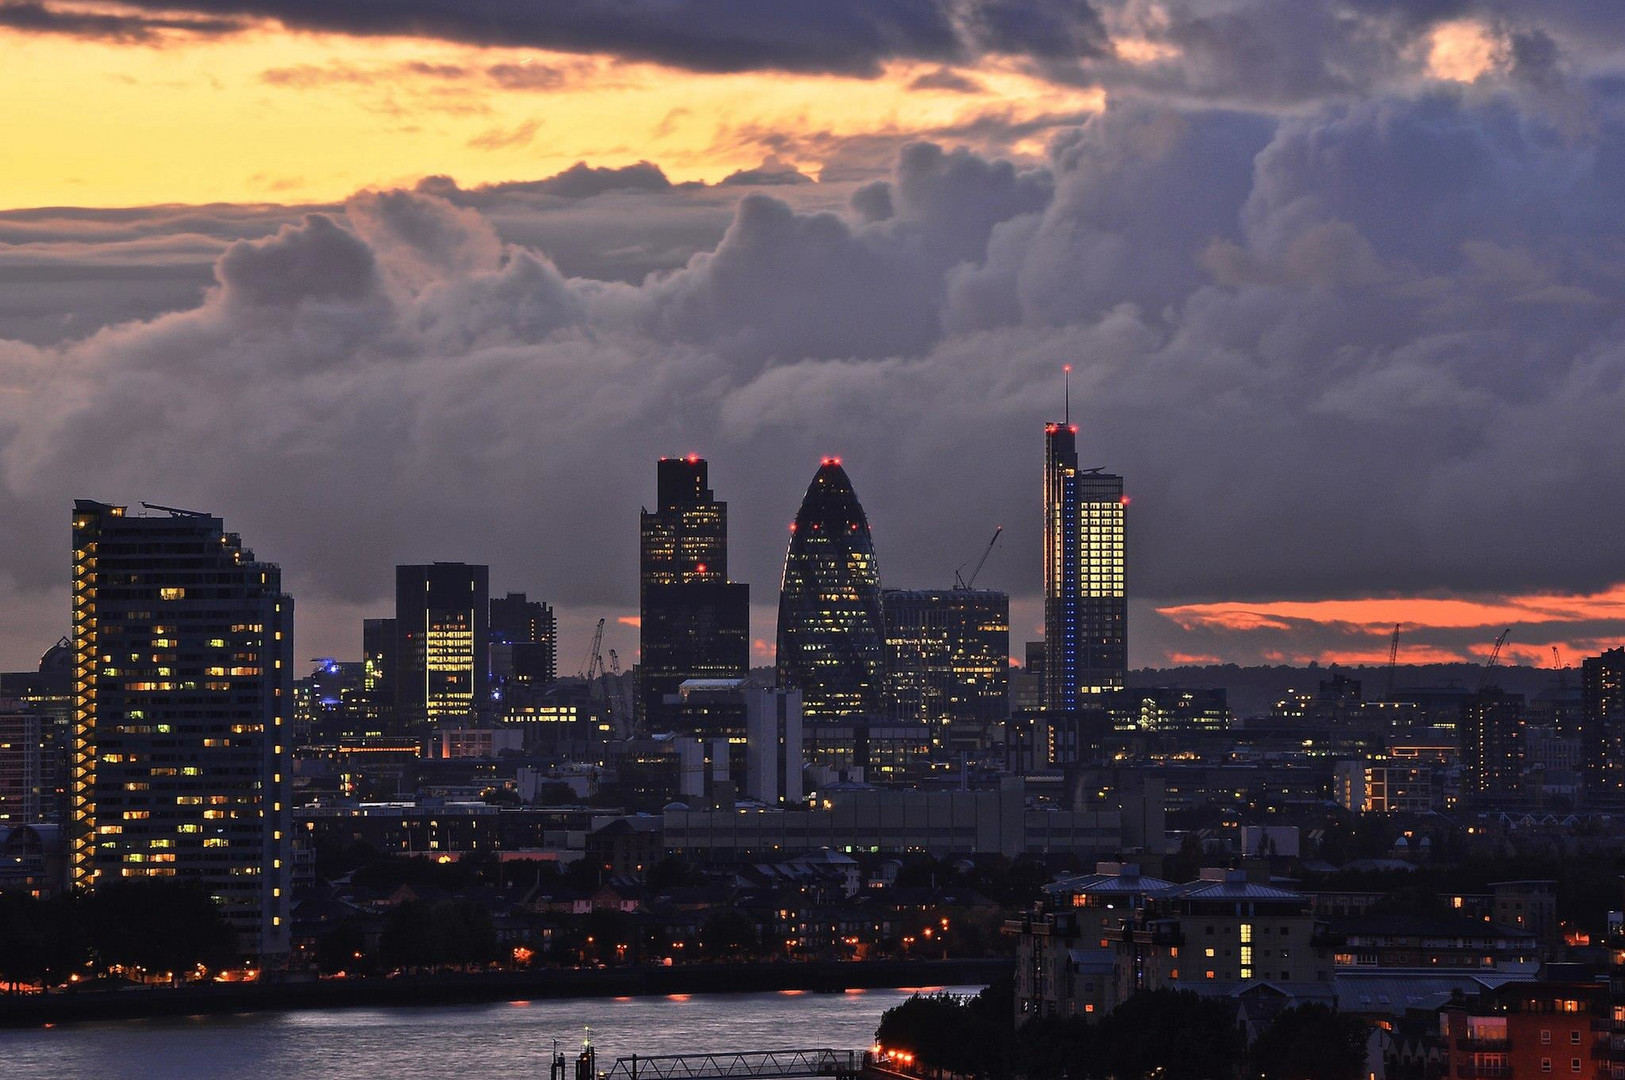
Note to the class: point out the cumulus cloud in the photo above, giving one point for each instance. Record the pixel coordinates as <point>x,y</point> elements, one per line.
<point>1366,349</point>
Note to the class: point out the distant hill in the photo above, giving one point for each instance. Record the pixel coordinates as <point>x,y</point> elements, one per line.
<point>1254,690</point>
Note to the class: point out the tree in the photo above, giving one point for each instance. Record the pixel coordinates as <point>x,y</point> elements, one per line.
<point>343,948</point>
<point>966,1035</point>
<point>729,934</point>
<point>1054,1048</point>
<point>1311,1040</point>
<point>408,938</point>
<point>422,935</point>
<point>1176,1034</point>
<point>158,925</point>
<point>41,941</point>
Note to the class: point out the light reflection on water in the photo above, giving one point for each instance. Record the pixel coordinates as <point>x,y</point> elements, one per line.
<point>505,1041</point>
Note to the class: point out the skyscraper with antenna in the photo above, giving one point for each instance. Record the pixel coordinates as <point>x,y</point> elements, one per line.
<point>1085,601</point>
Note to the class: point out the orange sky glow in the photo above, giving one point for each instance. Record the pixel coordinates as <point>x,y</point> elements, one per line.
<point>283,116</point>
<point>1545,619</point>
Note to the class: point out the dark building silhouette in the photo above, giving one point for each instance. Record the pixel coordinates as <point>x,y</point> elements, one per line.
<point>1085,605</point>
<point>524,640</point>
<point>694,622</point>
<point>831,641</point>
<point>1174,711</point>
<point>1491,737</point>
<point>948,662</point>
<point>1602,724</point>
<point>378,654</point>
<point>442,650</point>
<point>36,765</point>
<point>183,692</point>
<point>22,766</point>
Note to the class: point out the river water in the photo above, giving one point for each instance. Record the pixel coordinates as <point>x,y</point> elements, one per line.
<point>511,1041</point>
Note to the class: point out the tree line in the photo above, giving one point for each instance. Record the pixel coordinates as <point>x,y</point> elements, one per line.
<point>1167,1034</point>
<point>154,926</point>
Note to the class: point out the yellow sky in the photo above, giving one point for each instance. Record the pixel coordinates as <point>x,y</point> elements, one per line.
<point>198,120</point>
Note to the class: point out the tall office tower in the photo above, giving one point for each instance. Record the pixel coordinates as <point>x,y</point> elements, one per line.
<point>378,655</point>
<point>948,662</point>
<point>1085,608</point>
<point>377,699</point>
<point>831,640</point>
<point>46,694</point>
<point>1602,725</point>
<point>183,703</point>
<point>694,622</point>
<point>1491,739</point>
<point>442,650</point>
<point>22,758</point>
<point>524,640</point>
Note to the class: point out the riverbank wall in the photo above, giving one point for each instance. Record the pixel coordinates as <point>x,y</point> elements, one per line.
<point>33,1010</point>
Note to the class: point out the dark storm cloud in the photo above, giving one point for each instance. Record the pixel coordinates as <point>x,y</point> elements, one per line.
<point>582,181</point>
<point>770,173</point>
<point>100,25</point>
<point>850,37</point>
<point>1367,348</point>
<point>946,79</point>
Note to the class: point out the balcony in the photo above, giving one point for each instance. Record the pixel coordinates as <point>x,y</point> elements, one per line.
<point>1469,1071</point>
<point>1480,1044</point>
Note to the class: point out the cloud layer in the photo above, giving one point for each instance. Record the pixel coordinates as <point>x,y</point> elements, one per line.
<point>1367,346</point>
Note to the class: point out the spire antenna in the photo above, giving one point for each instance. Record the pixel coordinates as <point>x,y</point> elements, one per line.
<point>1066,383</point>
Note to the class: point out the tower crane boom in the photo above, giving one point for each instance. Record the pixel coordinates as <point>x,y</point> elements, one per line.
<point>1495,658</point>
<point>961,582</point>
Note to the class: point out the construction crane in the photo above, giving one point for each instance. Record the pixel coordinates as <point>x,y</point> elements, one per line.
<point>1495,658</point>
<point>595,657</point>
<point>1557,665</point>
<point>1393,661</point>
<point>623,704</point>
<point>961,582</point>
<point>597,676</point>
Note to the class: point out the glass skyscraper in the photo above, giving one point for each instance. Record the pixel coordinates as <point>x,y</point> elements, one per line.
<point>831,640</point>
<point>694,622</point>
<point>948,662</point>
<point>1085,605</point>
<point>183,713</point>
<point>442,653</point>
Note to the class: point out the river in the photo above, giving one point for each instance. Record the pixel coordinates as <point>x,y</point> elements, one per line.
<point>510,1041</point>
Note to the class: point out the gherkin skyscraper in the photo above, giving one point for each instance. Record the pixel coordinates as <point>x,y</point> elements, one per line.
<point>831,639</point>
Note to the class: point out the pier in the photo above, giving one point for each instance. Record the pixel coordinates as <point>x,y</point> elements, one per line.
<point>755,1064</point>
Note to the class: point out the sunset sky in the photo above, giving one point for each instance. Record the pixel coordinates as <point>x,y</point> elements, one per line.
<point>386,281</point>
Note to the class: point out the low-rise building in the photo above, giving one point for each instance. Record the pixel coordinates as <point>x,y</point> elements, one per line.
<point>863,819</point>
<point>1528,1029</point>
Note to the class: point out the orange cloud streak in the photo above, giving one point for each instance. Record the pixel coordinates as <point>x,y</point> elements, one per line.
<point>1375,614</point>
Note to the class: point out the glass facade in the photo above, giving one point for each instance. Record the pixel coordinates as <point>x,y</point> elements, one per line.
<point>442,614</point>
<point>1085,602</point>
<point>831,644</point>
<point>948,662</point>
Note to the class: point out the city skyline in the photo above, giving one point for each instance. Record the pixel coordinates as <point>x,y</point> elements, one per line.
<point>1339,288</point>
